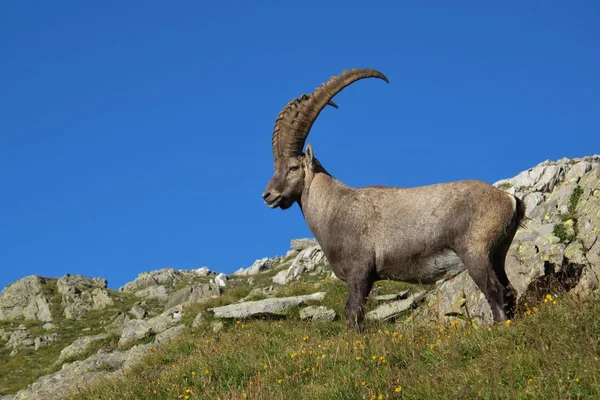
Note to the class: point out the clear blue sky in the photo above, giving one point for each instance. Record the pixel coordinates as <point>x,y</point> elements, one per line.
<point>137,135</point>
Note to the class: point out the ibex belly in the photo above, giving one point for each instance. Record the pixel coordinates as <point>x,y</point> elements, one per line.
<point>424,269</point>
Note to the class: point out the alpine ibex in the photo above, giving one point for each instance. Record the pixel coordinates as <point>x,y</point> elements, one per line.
<point>417,235</point>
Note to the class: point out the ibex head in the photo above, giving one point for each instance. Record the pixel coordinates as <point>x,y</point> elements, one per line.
<point>293,168</point>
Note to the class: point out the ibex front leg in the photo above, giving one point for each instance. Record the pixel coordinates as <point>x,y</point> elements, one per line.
<point>360,281</point>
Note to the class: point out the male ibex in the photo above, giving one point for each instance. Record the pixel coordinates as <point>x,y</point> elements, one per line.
<point>419,234</point>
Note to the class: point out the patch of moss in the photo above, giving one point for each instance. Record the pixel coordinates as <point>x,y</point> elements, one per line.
<point>575,196</point>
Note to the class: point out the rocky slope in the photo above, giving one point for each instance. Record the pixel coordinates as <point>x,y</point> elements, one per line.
<point>73,330</point>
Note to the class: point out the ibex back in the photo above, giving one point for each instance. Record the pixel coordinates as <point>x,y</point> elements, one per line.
<point>419,235</point>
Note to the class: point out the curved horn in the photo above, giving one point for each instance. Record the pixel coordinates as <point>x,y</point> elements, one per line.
<point>297,117</point>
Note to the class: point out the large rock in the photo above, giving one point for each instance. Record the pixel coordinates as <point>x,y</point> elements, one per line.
<point>166,320</point>
<point>193,294</point>
<point>19,339</point>
<point>317,314</point>
<point>135,329</point>
<point>25,299</point>
<point>160,293</point>
<point>81,294</point>
<point>258,266</point>
<point>301,244</point>
<point>273,307</point>
<point>309,259</point>
<point>392,310</point>
<point>78,347</point>
<point>163,277</point>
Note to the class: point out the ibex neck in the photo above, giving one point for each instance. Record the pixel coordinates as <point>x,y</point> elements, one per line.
<point>318,198</point>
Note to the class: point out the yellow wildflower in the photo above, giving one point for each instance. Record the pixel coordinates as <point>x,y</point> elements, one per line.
<point>398,389</point>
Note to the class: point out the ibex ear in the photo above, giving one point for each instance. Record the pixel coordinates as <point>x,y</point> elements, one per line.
<point>309,157</point>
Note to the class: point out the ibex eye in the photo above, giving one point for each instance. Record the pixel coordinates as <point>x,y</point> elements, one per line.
<point>294,168</point>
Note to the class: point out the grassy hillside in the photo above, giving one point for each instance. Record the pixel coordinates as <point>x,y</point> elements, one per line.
<point>549,350</point>
<point>17,371</point>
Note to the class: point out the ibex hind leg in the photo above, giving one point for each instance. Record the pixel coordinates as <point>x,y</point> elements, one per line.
<point>360,282</point>
<point>482,271</point>
<point>498,263</point>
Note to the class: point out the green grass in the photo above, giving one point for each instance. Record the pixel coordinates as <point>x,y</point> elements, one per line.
<point>551,350</point>
<point>561,229</point>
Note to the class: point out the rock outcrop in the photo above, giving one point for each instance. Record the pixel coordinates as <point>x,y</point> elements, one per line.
<point>81,294</point>
<point>25,299</point>
<point>308,260</point>
<point>268,307</point>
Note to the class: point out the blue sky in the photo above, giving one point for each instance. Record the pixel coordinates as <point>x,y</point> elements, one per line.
<point>136,135</point>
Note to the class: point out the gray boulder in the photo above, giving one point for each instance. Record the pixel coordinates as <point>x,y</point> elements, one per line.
<point>308,260</point>
<point>221,280</point>
<point>301,244</point>
<point>317,314</point>
<point>160,277</point>
<point>161,293</point>
<point>25,299</point>
<point>117,323</point>
<point>135,329</point>
<point>274,307</point>
<point>170,334</point>
<point>138,312</point>
<point>394,309</point>
<point>19,339</point>
<point>78,347</point>
<point>193,294</point>
<point>198,321</point>
<point>81,294</point>
<point>258,266</point>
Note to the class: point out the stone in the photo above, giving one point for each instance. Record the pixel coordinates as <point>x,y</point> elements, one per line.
<point>204,271</point>
<point>391,297</point>
<point>193,294</point>
<point>138,312</point>
<point>307,260</point>
<point>19,339</point>
<point>78,347</point>
<point>170,334</point>
<point>81,294</point>
<point>160,293</point>
<point>274,306</point>
<point>25,299</point>
<point>49,326</point>
<point>258,266</point>
<point>217,326</point>
<point>166,320</point>
<point>161,277</point>
<point>317,314</point>
<point>221,280</point>
<point>198,321</point>
<point>301,244</point>
<point>394,309</point>
<point>134,330</point>
<point>45,340</point>
<point>117,323</point>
